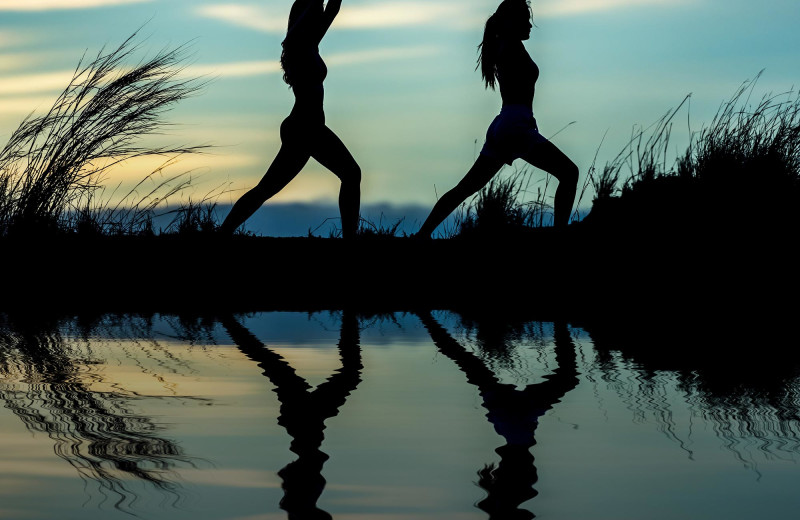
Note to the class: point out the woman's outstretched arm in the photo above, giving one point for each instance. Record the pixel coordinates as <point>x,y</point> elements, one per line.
<point>331,10</point>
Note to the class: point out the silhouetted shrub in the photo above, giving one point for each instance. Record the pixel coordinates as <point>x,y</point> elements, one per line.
<point>53,164</point>
<point>743,169</point>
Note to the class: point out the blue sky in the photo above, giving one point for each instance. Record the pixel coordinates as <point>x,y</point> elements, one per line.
<point>402,91</point>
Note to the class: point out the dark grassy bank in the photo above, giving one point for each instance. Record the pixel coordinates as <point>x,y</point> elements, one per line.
<point>585,271</point>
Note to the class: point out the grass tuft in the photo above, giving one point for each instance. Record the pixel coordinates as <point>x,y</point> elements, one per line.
<point>52,167</point>
<point>500,207</point>
<point>743,169</point>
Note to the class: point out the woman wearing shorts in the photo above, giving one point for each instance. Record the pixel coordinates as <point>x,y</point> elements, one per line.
<point>513,134</point>
<point>304,133</point>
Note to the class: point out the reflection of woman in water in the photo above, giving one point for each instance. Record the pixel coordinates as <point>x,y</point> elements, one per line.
<point>513,134</point>
<point>304,411</point>
<point>515,415</point>
<point>303,133</point>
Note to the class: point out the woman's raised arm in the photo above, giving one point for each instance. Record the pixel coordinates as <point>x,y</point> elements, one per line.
<point>331,10</point>
<point>300,25</point>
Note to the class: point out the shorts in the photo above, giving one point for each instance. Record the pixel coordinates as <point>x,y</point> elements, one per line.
<point>512,134</point>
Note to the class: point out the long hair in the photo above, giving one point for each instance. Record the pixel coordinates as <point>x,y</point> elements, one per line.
<point>299,7</point>
<point>489,48</point>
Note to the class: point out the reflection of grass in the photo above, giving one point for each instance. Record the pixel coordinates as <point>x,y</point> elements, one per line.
<point>51,385</point>
<point>51,167</point>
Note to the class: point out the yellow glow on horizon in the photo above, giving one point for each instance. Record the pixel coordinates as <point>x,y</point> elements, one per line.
<point>197,165</point>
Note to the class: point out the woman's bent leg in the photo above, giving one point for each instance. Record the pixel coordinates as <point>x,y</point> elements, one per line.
<point>331,153</point>
<point>284,168</point>
<point>549,158</point>
<point>476,178</point>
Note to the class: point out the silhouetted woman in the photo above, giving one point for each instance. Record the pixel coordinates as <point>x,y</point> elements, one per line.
<point>513,134</point>
<point>303,133</point>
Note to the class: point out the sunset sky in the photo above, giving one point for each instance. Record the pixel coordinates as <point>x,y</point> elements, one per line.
<point>402,91</point>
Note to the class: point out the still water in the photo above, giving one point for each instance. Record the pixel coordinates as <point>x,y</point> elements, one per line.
<point>429,415</point>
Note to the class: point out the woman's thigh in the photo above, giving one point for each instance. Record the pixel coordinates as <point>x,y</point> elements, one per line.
<point>331,153</point>
<point>546,156</point>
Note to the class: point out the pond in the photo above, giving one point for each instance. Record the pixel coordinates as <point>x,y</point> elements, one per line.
<point>407,415</point>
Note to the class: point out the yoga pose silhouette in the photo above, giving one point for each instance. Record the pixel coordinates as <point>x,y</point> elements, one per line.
<point>304,133</point>
<point>514,413</point>
<point>513,134</point>
<point>304,410</point>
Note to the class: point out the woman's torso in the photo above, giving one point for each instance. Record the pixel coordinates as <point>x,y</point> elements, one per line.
<point>517,74</point>
<point>306,72</point>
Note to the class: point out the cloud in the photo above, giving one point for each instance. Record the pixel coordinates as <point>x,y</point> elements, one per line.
<point>411,13</point>
<point>21,106</point>
<point>398,14</point>
<point>577,7</point>
<point>257,68</point>
<point>48,5</point>
<point>18,38</point>
<point>16,61</point>
<point>262,18</point>
<point>32,83</point>
<point>18,94</point>
<point>234,69</point>
<point>373,55</point>
<point>366,16</point>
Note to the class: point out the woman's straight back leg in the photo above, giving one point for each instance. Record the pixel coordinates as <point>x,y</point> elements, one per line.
<point>287,164</point>
<point>477,177</point>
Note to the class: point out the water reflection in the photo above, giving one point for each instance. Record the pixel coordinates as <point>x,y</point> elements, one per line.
<point>513,413</point>
<point>742,379</point>
<point>702,391</point>
<point>46,381</point>
<point>303,411</point>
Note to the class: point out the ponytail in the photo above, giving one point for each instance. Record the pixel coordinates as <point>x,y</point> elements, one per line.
<point>488,51</point>
<point>489,48</point>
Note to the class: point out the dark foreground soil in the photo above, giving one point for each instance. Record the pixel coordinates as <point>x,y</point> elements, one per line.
<point>581,272</point>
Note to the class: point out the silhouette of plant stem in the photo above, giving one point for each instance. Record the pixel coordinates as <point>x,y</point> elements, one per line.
<point>54,163</point>
<point>745,146</point>
<point>500,208</point>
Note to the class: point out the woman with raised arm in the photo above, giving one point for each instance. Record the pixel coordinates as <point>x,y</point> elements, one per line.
<point>513,134</point>
<point>303,133</point>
